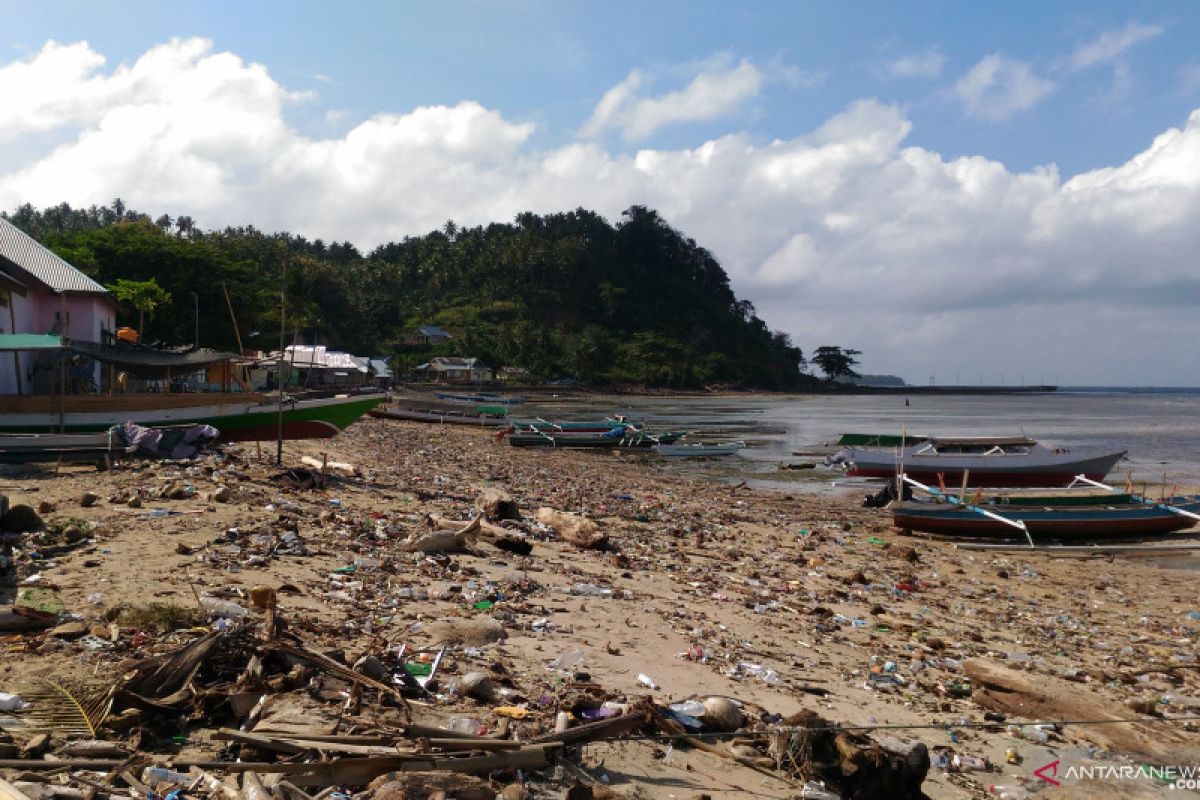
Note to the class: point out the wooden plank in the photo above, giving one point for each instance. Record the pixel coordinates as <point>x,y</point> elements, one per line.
<point>10,792</point>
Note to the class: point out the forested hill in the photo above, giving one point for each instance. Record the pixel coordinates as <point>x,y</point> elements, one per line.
<point>562,295</point>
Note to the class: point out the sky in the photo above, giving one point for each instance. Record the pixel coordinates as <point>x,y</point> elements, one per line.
<point>964,192</point>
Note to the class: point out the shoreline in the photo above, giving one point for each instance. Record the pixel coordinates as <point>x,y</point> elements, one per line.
<point>748,575</point>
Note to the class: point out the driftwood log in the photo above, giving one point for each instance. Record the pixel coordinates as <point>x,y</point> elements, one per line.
<point>444,541</point>
<point>579,531</point>
<point>497,504</point>
<point>501,538</point>
<point>1042,697</point>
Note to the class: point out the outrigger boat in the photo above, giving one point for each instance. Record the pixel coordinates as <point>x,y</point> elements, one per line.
<point>989,460</point>
<point>547,426</point>
<point>482,397</point>
<point>616,436</point>
<point>482,416</point>
<point>698,449</point>
<point>1068,515</point>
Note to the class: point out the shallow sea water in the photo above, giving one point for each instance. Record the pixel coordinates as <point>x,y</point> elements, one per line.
<point>1160,430</point>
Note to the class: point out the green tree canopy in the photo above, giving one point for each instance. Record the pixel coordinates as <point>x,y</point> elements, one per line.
<point>566,294</point>
<point>144,296</point>
<point>836,362</point>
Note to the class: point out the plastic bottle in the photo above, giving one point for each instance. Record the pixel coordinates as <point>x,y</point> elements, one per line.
<point>223,608</point>
<point>1008,792</point>
<point>467,725</point>
<point>161,776</point>
<point>817,791</point>
<point>646,680</point>
<point>969,763</point>
<point>692,708</point>
<point>590,589</point>
<point>1031,733</point>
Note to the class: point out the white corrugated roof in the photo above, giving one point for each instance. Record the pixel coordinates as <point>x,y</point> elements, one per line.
<point>307,355</point>
<point>24,253</point>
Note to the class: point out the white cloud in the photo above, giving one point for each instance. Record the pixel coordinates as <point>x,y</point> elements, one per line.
<point>997,88</point>
<point>848,234</point>
<point>718,91</point>
<point>1110,44</point>
<point>922,65</point>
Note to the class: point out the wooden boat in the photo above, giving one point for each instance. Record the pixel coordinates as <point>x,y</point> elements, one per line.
<point>699,449</point>
<point>239,417</point>
<point>1059,522</point>
<point>985,461</point>
<point>30,448</point>
<point>482,397</point>
<point>621,436</point>
<point>592,426</point>
<point>447,417</point>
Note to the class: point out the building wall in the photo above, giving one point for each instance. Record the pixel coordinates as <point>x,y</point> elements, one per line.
<point>88,316</point>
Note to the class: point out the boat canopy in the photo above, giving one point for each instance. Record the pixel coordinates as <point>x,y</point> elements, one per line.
<point>148,362</point>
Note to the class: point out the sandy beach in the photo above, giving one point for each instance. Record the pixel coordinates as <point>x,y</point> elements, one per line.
<point>784,602</point>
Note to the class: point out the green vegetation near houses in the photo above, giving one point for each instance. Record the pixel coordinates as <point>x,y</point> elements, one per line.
<point>561,295</point>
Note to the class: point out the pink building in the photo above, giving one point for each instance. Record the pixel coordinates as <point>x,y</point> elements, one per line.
<point>41,293</point>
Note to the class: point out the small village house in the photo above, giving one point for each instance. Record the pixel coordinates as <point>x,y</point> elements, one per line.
<point>42,294</point>
<point>381,372</point>
<point>428,335</point>
<point>509,374</point>
<point>455,370</point>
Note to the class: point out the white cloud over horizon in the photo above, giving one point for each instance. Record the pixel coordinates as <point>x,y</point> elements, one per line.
<point>998,87</point>
<point>921,65</point>
<point>1110,44</point>
<point>716,92</point>
<point>849,234</point>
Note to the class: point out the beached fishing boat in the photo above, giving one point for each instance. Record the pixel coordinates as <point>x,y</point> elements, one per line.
<point>29,448</point>
<point>1078,512</point>
<point>1097,520</point>
<point>698,449</point>
<point>590,426</point>
<point>446,417</point>
<point>482,397</point>
<point>238,416</point>
<point>984,461</point>
<point>619,436</point>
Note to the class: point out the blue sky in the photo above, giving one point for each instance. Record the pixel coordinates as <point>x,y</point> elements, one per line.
<point>999,167</point>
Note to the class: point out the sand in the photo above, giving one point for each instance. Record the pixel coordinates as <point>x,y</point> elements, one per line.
<point>802,587</point>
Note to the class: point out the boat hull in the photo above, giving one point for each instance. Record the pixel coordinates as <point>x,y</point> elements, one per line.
<point>590,441</point>
<point>491,399</point>
<point>253,419</point>
<point>442,417</point>
<point>1058,523</point>
<point>1042,469</point>
<point>699,450</point>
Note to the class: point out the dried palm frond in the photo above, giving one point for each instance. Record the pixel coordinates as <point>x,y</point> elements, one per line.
<point>72,710</point>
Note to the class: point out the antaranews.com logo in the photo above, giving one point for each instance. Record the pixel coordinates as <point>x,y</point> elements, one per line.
<point>1174,777</point>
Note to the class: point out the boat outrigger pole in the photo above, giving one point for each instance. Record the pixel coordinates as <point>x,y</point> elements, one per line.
<point>1016,523</point>
<point>1142,500</point>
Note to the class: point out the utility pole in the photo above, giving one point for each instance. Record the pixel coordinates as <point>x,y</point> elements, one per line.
<point>282,363</point>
